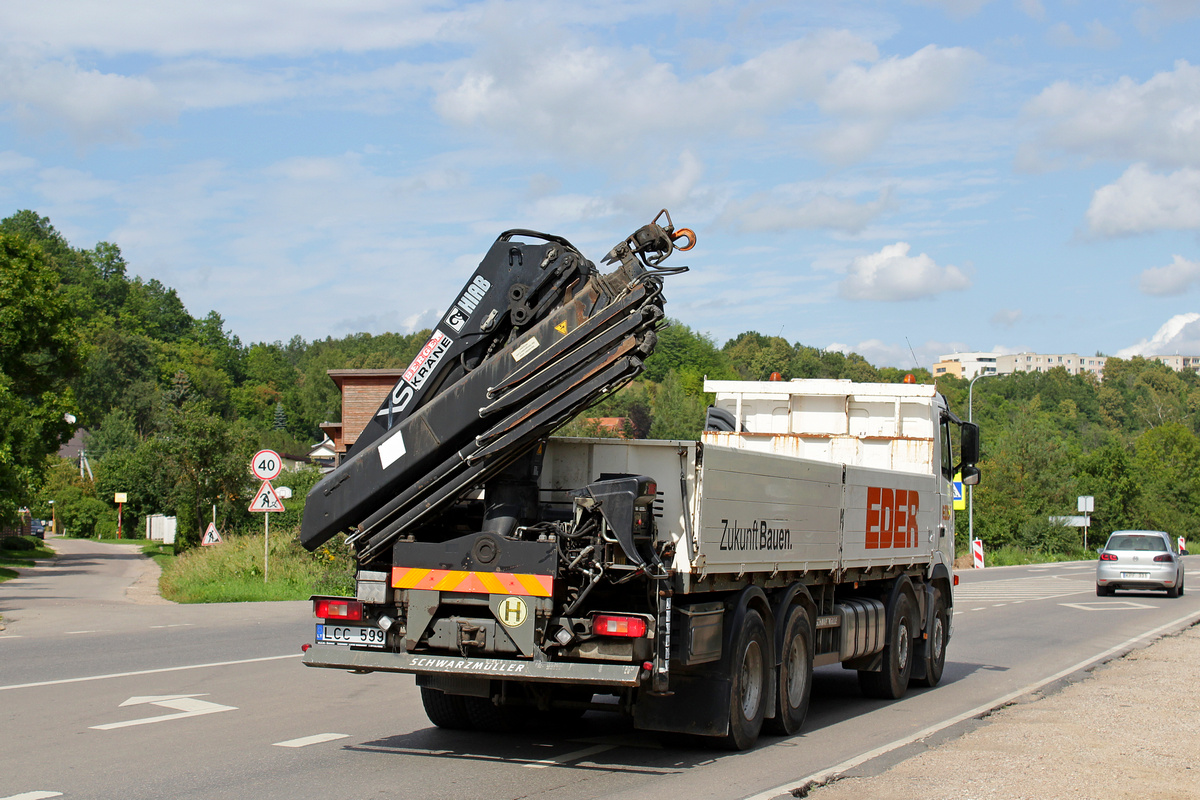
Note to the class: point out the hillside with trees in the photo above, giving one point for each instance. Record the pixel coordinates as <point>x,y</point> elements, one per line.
<point>174,405</point>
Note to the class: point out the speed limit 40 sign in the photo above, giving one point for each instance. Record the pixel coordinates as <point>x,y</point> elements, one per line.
<point>266,465</point>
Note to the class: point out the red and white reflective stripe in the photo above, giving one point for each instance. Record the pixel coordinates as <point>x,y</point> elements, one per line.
<point>977,553</point>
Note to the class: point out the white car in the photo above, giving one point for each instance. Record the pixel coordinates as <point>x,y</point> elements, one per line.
<point>1139,560</point>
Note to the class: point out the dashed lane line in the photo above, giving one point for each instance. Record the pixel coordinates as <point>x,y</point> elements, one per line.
<point>567,758</point>
<point>317,738</point>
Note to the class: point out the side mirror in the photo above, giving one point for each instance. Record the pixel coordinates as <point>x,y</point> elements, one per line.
<point>970,475</point>
<point>970,445</point>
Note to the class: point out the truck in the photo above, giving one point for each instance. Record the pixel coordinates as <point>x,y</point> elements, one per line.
<point>690,585</point>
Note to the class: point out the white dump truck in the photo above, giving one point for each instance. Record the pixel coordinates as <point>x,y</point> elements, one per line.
<point>692,585</point>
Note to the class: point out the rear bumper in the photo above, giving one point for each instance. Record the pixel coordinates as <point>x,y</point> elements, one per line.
<point>338,657</point>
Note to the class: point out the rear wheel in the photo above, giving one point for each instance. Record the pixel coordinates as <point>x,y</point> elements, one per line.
<point>1175,590</point>
<point>487,716</point>
<point>794,690</point>
<point>445,710</point>
<point>891,682</point>
<point>935,644</point>
<point>749,673</point>
<point>1103,591</point>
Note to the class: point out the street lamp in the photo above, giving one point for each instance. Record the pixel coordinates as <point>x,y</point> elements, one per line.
<point>53,516</point>
<point>971,488</point>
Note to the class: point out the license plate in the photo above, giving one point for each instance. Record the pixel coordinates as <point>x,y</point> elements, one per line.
<point>1135,574</point>
<point>350,634</point>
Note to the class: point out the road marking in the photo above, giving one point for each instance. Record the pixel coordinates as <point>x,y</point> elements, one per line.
<point>1013,590</point>
<point>822,777</point>
<point>186,704</point>
<point>62,681</point>
<point>73,633</point>
<point>176,625</point>
<point>1107,605</point>
<point>10,636</point>
<point>32,796</point>
<point>566,758</point>
<point>314,739</point>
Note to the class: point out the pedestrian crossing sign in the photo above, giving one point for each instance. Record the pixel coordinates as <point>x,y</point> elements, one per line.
<point>960,500</point>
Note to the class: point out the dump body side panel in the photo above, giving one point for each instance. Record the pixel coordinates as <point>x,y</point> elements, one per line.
<point>762,512</point>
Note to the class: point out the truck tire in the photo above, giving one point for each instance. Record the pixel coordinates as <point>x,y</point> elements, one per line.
<point>935,645</point>
<point>491,718</point>
<point>749,674</point>
<point>891,682</point>
<point>445,710</point>
<point>794,691</point>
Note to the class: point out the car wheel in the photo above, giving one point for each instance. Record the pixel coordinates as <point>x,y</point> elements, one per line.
<point>1103,591</point>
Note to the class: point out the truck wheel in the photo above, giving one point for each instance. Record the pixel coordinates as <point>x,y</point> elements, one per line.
<point>445,710</point>
<point>891,682</point>
<point>935,645</point>
<point>795,675</point>
<point>487,716</point>
<point>749,673</point>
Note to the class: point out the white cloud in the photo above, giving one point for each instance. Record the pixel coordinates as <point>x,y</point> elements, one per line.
<point>1142,201</point>
<point>11,161</point>
<point>893,275</point>
<point>814,209</point>
<point>958,9</point>
<point>1098,36</point>
<point>1179,334</point>
<point>1033,8</point>
<point>870,101</point>
<point>92,105</point>
<point>232,27</point>
<point>590,100</point>
<point>1173,279</point>
<point>1157,121</point>
<point>1007,317</point>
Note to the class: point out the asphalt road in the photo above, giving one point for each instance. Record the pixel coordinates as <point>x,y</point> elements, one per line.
<point>102,697</point>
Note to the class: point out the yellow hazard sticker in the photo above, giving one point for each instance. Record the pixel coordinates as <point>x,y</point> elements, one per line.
<point>561,327</point>
<point>512,612</point>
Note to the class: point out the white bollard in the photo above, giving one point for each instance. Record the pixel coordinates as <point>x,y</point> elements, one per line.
<point>977,553</point>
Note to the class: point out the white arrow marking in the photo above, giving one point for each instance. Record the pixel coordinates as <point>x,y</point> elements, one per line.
<point>32,796</point>
<point>186,704</point>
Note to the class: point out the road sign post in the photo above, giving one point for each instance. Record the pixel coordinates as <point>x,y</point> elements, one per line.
<point>266,466</point>
<point>120,498</point>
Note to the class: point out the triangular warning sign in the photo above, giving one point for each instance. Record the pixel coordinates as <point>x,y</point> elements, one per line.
<point>210,536</point>
<point>266,499</point>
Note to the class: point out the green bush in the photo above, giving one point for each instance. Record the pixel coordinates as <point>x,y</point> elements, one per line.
<point>22,543</point>
<point>233,570</point>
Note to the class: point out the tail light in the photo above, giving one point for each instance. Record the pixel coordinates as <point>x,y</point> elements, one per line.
<point>1165,558</point>
<point>612,625</point>
<point>1107,557</point>
<point>337,608</point>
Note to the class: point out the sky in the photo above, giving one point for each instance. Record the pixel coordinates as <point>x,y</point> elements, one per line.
<point>899,179</point>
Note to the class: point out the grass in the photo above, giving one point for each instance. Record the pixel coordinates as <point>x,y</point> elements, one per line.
<point>21,551</point>
<point>1011,555</point>
<point>233,571</point>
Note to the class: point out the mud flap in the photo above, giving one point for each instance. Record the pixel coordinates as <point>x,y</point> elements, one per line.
<point>698,704</point>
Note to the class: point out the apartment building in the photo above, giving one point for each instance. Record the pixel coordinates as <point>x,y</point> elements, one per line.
<point>966,365</point>
<point>1073,363</point>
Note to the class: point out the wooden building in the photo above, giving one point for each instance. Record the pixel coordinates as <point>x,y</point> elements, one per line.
<point>363,391</point>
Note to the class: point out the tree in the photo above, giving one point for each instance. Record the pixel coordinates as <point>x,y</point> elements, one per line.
<point>677,415</point>
<point>39,355</point>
